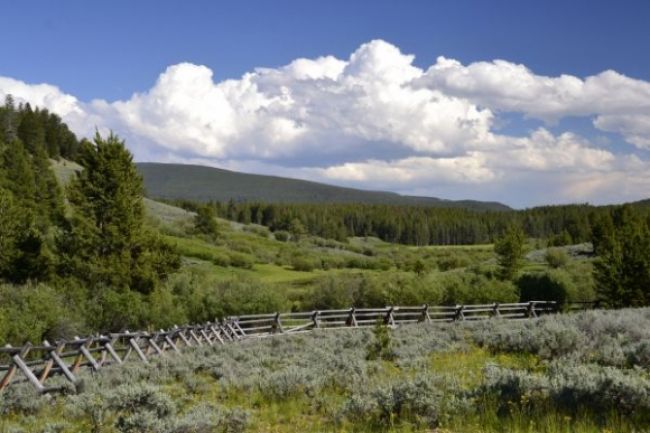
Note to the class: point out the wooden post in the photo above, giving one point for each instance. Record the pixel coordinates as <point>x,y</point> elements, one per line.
<point>216,334</point>
<point>13,368</point>
<point>111,351</point>
<point>20,363</point>
<point>277,324</point>
<point>195,337</point>
<point>48,366</point>
<point>181,333</point>
<point>459,312</point>
<point>425,314</point>
<point>530,312</point>
<point>239,328</point>
<point>495,310</point>
<point>206,337</point>
<point>152,342</point>
<point>315,319</point>
<point>76,364</point>
<point>137,349</point>
<point>84,351</point>
<point>233,331</point>
<point>54,354</point>
<point>352,319</point>
<point>389,319</point>
<point>171,344</point>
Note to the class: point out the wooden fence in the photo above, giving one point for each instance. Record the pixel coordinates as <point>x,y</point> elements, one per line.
<point>38,363</point>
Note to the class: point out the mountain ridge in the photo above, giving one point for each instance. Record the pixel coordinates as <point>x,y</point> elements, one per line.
<point>203,183</point>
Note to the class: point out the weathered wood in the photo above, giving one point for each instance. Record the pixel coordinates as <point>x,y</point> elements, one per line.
<point>152,342</point>
<point>20,363</point>
<point>11,371</point>
<point>84,351</point>
<point>195,337</point>
<point>63,366</point>
<point>206,337</point>
<point>171,344</point>
<point>137,350</point>
<point>111,351</point>
<point>48,366</point>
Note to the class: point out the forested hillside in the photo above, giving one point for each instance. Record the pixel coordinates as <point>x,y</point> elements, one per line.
<point>203,184</point>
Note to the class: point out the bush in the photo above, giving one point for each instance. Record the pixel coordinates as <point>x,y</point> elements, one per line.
<point>303,264</point>
<point>548,286</point>
<point>416,400</point>
<point>556,258</point>
<point>381,346</point>
<point>34,312</point>
<point>241,261</point>
<point>282,236</point>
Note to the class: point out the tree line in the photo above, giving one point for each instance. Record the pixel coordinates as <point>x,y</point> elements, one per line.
<point>413,225</point>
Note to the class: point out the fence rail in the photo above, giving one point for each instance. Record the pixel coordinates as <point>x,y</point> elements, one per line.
<point>38,363</point>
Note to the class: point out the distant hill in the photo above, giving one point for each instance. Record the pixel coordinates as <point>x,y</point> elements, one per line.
<point>199,183</point>
<point>645,202</point>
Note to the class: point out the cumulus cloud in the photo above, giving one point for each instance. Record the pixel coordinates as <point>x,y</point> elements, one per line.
<point>375,120</point>
<point>620,104</point>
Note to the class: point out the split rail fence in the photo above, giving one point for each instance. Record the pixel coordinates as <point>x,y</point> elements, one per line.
<point>38,363</point>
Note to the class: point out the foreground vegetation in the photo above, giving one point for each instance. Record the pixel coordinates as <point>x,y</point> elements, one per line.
<point>585,372</point>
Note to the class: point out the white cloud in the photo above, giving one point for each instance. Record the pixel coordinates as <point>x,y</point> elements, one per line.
<point>634,127</point>
<point>375,120</point>
<point>507,86</point>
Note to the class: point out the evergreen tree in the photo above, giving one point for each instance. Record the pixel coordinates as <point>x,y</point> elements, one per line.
<point>105,242</point>
<point>205,222</point>
<point>8,231</point>
<point>510,251</point>
<point>622,270</point>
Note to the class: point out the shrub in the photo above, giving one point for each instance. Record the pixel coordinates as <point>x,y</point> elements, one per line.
<point>548,286</point>
<point>556,258</point>
<point>260,231</point>
<point>134,398</point>
<point>415,400</point>
<point>303,264</point>
<point>381,346</point>
<point>290,382</point>
<point>241,260</point>
<point>453,261</point>
<point>282,236</point>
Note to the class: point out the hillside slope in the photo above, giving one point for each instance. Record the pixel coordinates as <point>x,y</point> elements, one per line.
<point>199,183</point>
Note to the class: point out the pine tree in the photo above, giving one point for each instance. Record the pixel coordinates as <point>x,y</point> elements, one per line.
<point>204,221</point>
<point>622,270</point>
<point>105,241</point>
<point>510,251</point>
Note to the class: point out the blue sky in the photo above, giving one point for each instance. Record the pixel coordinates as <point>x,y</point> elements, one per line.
<point>108,51</point>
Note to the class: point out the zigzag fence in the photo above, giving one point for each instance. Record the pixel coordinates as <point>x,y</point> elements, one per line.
<point>38,363</point>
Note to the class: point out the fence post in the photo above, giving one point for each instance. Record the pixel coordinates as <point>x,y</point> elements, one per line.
<point>495,310</point>
<point>425,314</point>
<point>54,354</point>
<point>20,363</point>
<point>111,351</point>
<point>84,351</point>
<point>314,319</point>
<point>459,313</point>
<point>530,312</point>
<point>352,319</point>
<point>389,319</point>
<point>133,343</point>
<point>277,324</point>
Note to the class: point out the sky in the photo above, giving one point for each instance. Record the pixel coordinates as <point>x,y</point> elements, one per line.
<point>523,102</point>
